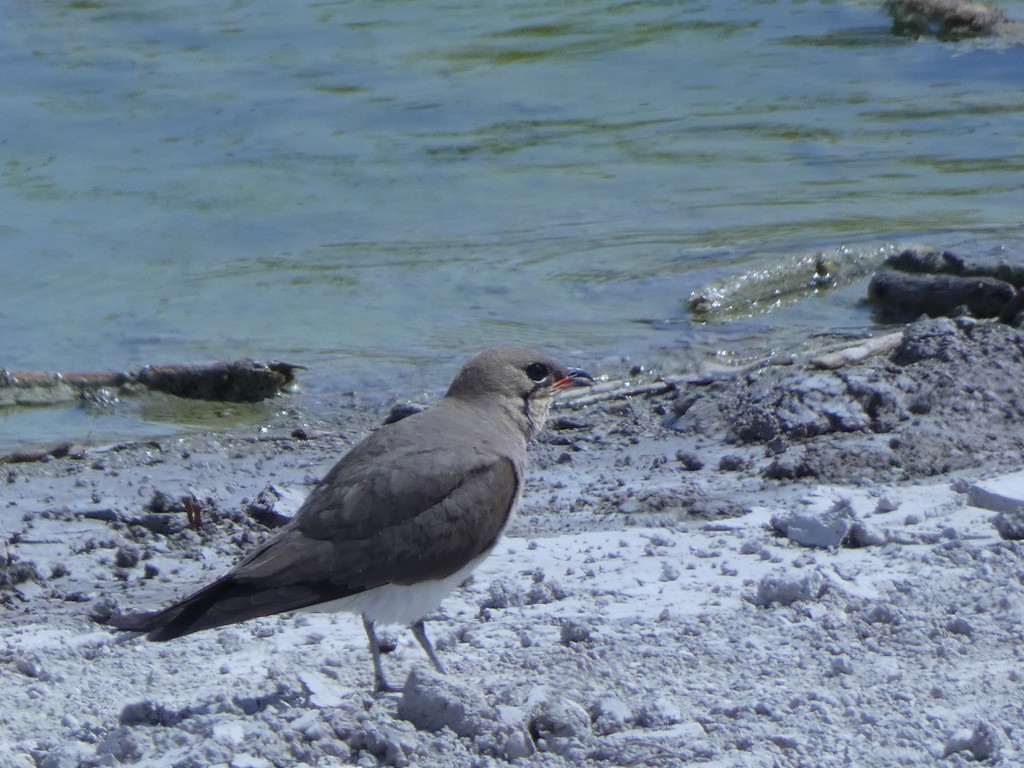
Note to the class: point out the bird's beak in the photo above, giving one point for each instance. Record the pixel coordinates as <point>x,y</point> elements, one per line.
<point>576,378</point>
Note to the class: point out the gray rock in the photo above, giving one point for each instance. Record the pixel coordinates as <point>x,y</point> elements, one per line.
<point>1010,525</point>
<point>101,610</point>
<point>819,404</point>
<point>518,744</point>
<point>887,504</point>
<point>14,571</point>
<point>817,528</point>
<point>864,535</point>
<point>229,640</point>
<point>1003,497</point>
<point>689,460</point>
<point>946,20</point>
<point>610,714</point>
<point>30,666</point>
<point>70,755</point>
<point>755,424</point>
<point>148,712</point>
<point>982,739</point>
<point>162,503</point>
<point>502,594</point>
<point>960,626</point>
<point>660,712</point>
<point>694,413</point>
<point>159,523</point>
<point>574,631</point>
<point>783,587</point>
<point>731,463</point>
<point>126,557</point>
<point>544,592</point>
<point>263,510</point>
<point>121,744</point>
<point>841,665</point>
<point>668,571</point>
<point>880,613</point>
<point>431,702</point>
<point>557,723</point>
<point>936,339</point>
<point>393,742</point>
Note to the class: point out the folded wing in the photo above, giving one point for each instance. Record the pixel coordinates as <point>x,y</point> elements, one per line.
<point>369,523</point>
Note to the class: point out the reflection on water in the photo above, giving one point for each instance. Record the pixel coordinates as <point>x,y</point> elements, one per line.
<point>373,188</point>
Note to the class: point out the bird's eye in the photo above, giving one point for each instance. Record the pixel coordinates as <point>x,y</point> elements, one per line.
<point>537,371</point>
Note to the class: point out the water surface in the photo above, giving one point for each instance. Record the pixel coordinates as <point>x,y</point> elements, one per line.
<point>376,190</point>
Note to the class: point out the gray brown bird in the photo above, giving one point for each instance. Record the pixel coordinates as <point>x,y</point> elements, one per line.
<point>402,519</point>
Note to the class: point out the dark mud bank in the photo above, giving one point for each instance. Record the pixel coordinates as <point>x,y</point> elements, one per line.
<point>951,396</point>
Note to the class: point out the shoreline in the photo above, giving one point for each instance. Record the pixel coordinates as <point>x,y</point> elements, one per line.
<point>644,606</point>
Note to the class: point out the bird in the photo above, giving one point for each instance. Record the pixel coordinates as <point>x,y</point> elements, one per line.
<point>399,521</point>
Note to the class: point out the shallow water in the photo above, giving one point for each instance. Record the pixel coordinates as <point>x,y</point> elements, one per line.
<point>375,190</point>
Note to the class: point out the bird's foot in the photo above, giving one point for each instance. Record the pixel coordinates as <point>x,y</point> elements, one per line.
<point>380,685</point>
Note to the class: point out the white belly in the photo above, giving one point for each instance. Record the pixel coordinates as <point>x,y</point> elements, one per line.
<point>397,604</point>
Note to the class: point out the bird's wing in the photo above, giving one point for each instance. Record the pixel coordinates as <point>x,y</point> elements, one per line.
<point>398,526</point>
<point>410,517</point>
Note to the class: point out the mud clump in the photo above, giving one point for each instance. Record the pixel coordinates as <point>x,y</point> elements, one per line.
<point>895,417</point>
<point>14,571</point>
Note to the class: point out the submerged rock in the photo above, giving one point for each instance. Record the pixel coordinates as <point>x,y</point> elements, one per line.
<point>945,19</point>
<point>909,295</point>
<point>789,278</point>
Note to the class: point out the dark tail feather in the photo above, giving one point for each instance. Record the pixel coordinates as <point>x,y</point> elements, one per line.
<point>225,601</point>
<point>213,606</point>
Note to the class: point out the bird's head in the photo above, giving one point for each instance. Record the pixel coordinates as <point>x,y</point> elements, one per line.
<point>521,378</point>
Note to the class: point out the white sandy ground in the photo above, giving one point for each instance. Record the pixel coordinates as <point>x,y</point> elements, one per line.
<point>590,637</point>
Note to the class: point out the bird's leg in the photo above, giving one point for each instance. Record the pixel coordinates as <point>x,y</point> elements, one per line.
<point>420,632</point>
<point>380,685</point>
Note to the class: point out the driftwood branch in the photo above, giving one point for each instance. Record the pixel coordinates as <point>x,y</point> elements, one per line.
<point>725,373</point>
<point>849,354</point>
<point>237,381</point>
<point>831,358</point>
<point>620,391</point>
